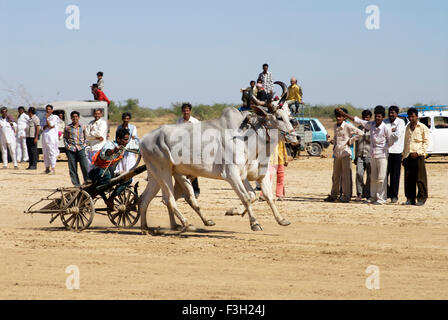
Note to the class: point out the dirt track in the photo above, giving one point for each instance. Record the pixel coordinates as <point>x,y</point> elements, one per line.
<point>323,254</point>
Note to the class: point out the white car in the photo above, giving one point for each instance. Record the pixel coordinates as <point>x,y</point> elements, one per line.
<point>436,119</point>
<point>85,109</point>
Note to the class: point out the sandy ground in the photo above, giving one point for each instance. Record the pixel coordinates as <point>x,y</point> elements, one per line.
<point>323,254</point>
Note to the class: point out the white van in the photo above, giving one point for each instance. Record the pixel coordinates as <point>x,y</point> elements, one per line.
<point>436,119</point>
<point>85,109</point>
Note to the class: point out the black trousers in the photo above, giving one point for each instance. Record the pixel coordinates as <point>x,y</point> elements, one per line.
<point>195,184</point>
<point>393,174</point>
<point>33,155</point>
<point>415,176</point>
<point>75,157</point>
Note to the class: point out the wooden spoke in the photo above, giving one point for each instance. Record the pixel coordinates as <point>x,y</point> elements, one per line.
<point>73,218</point>
<point>131,216</point>
<point>119,219</point>
<point>129,219</point>
<point>83,218</point>
<point>123,219</point>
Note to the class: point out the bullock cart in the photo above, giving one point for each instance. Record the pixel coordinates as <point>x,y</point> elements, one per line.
<point>76,206</point>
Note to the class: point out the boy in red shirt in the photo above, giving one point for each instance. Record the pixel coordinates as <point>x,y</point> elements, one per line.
<point>98,94</point>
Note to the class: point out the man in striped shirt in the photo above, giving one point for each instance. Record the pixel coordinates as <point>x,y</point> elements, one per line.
<point>75,144</point>
<point>266,77</point>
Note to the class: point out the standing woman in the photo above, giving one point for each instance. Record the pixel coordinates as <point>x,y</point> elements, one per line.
<point>50,139</point>
<point>129,158</point>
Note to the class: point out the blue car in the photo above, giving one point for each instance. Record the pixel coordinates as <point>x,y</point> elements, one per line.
<point>320,135</point>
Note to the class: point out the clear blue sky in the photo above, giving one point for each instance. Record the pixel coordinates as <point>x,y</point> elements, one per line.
<point>204,51</point>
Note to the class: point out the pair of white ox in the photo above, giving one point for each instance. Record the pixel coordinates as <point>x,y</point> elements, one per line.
<point>167,155</point>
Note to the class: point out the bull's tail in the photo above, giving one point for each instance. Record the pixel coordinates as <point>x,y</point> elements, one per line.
<point>165,149</point>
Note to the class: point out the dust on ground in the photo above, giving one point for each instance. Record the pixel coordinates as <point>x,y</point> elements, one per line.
<point>323,254</point>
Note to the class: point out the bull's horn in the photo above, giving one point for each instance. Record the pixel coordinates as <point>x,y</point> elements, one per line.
<point>257,102</point>
<point>269,105</point>
<point>259,111</point>
<point>285,91</point>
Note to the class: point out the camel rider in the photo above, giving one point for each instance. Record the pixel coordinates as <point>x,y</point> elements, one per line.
<point>104,162</point>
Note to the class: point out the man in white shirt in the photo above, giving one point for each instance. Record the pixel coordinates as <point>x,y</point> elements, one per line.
<point>398,128</point>
<point>381,139</point>
<point>188,118</point>
<point>7,138</point>
<point>50,139</point>
<point>96,132</point>
<point>186,115</point>
<point>22,121</point>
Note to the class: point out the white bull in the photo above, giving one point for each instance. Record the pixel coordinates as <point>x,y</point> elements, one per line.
<point>207,149</point>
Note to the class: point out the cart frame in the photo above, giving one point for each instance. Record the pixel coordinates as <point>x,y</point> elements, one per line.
<point>76,206</point>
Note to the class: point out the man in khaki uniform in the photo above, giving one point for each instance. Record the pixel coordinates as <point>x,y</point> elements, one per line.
<point>345,134</point>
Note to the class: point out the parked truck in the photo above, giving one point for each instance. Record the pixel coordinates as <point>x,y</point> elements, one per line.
<point>85,109</point>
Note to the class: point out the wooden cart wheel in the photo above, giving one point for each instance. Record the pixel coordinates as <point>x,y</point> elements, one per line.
<point>125,213</point>
<point>79,214</point>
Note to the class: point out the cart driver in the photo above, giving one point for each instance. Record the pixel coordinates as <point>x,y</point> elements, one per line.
<point>104,162</point>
